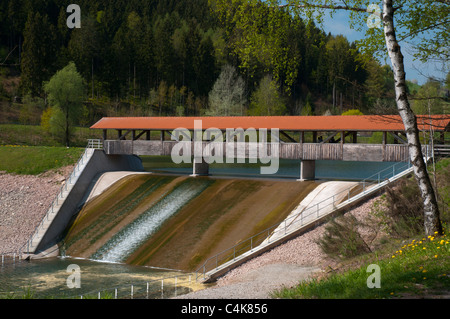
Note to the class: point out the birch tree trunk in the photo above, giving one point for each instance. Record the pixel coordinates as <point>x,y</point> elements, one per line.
<point>432,221</point>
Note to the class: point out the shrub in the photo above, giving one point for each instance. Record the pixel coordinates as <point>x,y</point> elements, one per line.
<point>401,209</point>
<point>353,112</point>
<point>342,238</point>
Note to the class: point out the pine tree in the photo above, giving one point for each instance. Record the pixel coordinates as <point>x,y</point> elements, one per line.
<point>39,51</point>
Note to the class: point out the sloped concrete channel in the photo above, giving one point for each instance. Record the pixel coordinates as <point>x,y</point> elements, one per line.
<point>326,200</point>
<point>187,219</point>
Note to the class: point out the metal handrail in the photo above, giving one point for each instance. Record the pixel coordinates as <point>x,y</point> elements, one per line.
<point>92,144</point>
<point>249,243</point>
<point>148,282</point>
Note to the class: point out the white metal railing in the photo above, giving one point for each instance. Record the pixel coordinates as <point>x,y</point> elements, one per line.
<point>95,144</point>
<point>65,188</point>
<point>298,220</point>
<point>160,288</point>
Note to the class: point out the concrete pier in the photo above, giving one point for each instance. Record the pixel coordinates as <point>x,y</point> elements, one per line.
<point>307,170</point>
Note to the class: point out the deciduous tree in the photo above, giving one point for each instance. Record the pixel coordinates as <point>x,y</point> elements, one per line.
<point>66,94</point>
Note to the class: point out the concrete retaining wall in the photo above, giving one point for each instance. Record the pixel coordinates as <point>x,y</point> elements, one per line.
<point>98,164</point>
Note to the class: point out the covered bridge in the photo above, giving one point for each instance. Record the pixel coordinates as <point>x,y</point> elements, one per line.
<point>306,138</point>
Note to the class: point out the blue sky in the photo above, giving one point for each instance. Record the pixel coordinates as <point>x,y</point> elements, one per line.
<point>415,70</point>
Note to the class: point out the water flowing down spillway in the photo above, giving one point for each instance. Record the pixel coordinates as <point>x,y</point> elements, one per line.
<point>121,245</point>
<point>177,222</point>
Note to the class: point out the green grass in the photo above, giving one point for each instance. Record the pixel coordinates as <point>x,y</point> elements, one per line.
<point>420,267</point>
<point>36,160</point>
<point>33,135</point>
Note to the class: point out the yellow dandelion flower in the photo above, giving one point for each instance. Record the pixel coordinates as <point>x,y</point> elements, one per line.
<point>435,256</point>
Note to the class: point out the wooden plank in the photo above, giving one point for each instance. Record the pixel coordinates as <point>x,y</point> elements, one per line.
<point>396,153</point>
<point>362,152</point>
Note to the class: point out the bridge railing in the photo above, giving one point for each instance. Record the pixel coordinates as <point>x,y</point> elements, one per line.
<point>302,218</point>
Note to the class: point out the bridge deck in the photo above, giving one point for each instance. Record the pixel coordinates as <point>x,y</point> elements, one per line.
<point>298,151</point>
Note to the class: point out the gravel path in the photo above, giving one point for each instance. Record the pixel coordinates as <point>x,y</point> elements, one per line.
<point>24,200</point>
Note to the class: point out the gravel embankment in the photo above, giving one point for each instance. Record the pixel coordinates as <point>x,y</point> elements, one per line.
<point>24,200</point>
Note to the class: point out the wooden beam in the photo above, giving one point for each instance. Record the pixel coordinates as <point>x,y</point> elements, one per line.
<point>139,136</point>
<point>329,137</point>
<point>123,137</point>
<point>287,136</point>
<point>398,138</point>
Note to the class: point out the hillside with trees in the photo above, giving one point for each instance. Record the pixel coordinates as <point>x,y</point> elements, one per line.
<point>186,58</point>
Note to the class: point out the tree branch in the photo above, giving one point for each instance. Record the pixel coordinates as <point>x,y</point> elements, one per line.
<point>323,6</point>
<point>424,29</point>
<point>3,63</point>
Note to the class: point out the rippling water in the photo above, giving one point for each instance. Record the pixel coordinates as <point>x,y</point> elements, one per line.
<point>48,279</point>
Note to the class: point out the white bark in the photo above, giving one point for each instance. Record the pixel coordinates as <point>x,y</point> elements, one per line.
<point>431,209</point>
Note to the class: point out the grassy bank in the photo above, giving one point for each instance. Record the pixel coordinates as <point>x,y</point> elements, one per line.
<point>34,135</point>
<point>36,160</point>
<point>419,267</point>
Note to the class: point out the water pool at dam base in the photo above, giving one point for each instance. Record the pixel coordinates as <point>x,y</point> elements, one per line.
<point>53,277</point>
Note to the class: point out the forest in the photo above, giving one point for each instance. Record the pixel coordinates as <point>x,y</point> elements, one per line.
<point>188,58</point>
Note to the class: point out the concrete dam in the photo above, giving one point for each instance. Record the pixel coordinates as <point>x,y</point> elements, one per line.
<point>177,222</point>
<point>187,219</point>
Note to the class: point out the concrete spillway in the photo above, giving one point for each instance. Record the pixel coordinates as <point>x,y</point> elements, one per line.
<point>177,222</point>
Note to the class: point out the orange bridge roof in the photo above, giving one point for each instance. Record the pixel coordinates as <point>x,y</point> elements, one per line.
<point>288,123</point>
